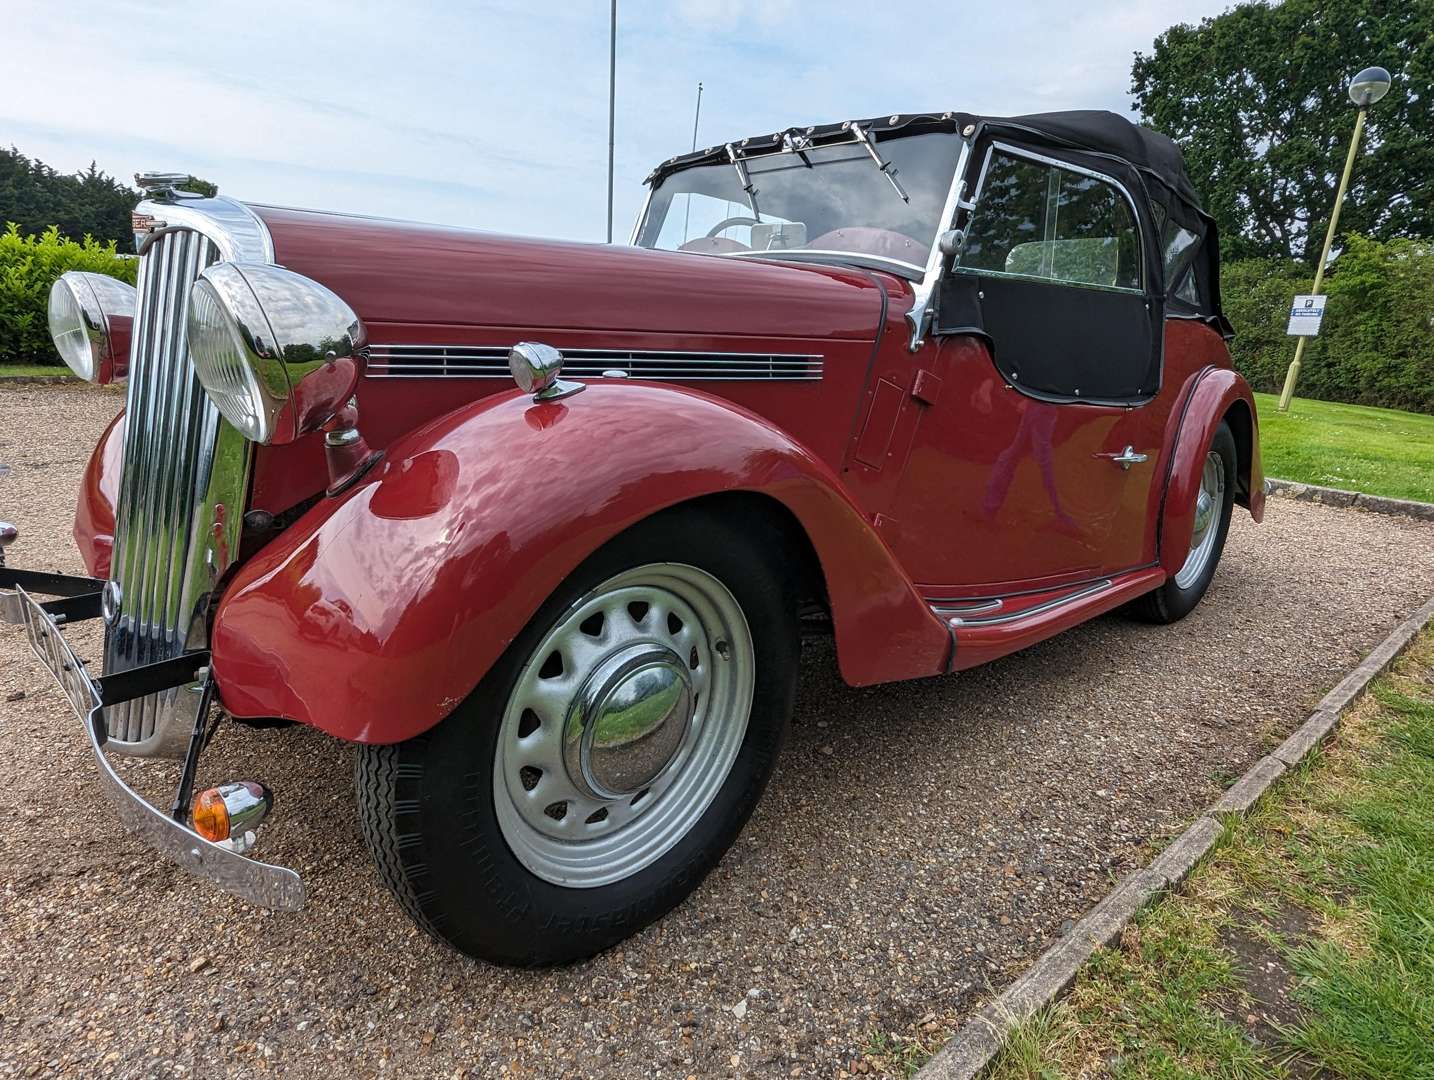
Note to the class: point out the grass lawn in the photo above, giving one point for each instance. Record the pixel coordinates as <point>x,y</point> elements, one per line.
<point>33,369</point>
<point>1302,946</point>
<point>1376,451</point>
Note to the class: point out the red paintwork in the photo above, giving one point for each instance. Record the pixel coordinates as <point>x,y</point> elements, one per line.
<point>99,492</point>
<point>427,284</point>
<point>378,611</point>
<point>916,476</point>
<point>114,362</point>
<point>1018,488</point>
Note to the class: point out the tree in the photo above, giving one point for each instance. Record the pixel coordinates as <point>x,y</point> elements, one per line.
<point>1257,99</point>
<point>200,187</point>
<point>90,203</point>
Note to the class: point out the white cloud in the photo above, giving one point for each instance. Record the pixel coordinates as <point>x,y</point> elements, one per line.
<point>495,114</point>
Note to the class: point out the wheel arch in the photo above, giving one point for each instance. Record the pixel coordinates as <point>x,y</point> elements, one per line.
<point>377,612</point>
<point>1219,395</point>
<point>1240,416</point>
<point>798,554</point>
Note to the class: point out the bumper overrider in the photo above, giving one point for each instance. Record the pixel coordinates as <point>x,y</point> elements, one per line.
<point>78,598</point>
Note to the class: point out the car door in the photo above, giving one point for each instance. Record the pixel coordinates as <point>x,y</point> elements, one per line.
<point>1036,460</point>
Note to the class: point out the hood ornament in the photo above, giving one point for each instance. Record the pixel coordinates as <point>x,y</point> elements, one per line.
<point>165,186</point>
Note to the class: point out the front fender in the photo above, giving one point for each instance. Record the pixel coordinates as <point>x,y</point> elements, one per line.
<point>94,530</point>
<point>378,611</point>
<point>1219,394</point>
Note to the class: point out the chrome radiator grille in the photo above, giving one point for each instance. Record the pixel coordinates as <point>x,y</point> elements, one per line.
<point>182,465</point>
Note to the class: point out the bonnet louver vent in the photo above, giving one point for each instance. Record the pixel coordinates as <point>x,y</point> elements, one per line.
<point>491,362</point>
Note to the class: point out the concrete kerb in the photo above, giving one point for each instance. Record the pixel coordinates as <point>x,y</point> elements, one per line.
<point>1328,496</point>
<point>979,1040</point>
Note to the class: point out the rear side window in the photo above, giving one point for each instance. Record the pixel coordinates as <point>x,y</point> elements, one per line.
<point>1178,248</point>
<point>1038,220</point>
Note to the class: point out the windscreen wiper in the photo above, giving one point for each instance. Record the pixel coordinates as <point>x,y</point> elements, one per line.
<point>745,179</point>
<point>888,170</point>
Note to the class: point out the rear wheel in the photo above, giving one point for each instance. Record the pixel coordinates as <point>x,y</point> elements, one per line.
<point>1214,504</point>
<point>607,761</point>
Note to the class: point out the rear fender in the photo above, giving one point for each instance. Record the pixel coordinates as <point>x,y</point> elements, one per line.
<point>379,611</point>
<point>1219,394</point>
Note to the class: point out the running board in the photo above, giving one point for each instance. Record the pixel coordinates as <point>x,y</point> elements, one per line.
<point>987,628</point>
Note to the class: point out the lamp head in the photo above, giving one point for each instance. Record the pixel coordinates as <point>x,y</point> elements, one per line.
<point>1369,86</point>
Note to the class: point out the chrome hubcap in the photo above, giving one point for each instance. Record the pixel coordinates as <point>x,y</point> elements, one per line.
<point>628,721</point>
<point>624,724</point>
<point>1209,504</point>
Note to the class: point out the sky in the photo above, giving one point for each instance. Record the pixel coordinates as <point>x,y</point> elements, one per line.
<point>493,113</point>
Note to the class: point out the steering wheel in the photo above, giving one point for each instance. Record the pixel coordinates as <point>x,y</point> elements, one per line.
<point>727,223</point>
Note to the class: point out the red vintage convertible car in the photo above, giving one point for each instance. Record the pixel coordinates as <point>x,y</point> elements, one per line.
<point>938,385</point>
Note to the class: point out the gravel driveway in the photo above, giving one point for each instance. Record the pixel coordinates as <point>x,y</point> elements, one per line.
<point>920,842</point>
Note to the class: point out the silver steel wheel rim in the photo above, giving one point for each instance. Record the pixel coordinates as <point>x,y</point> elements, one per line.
<point>1209,505</point>
<point>634,622</point>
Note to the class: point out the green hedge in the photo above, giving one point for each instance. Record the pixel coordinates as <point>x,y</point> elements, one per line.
<point>1376,345</point>
<point>29,265</point>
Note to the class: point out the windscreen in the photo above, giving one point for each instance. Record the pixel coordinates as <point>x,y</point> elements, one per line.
<point>834,198</point>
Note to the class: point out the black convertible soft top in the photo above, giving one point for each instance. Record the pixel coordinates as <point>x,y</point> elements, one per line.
<point>1153,157</point>
<point>1104,132</point>
<point>1095,130</point>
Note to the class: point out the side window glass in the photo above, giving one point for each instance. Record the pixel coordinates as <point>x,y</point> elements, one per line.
<point>1177,245</point>
<point>1189,291</point>
<point>1041,221</point>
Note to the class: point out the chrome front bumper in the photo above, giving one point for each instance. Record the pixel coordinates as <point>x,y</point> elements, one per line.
<point>260,883</point>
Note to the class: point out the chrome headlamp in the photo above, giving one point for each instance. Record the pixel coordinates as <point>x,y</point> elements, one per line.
<point>277,352</point>
<point>90,320</point>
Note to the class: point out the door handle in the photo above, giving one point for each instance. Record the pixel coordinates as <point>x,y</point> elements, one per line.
<point>1127,457</point>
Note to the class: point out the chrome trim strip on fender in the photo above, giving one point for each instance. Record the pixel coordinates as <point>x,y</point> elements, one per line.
<point>405,361</point>
<point>949,609</point>
<point>270,886</point>
<point>1036,609</point>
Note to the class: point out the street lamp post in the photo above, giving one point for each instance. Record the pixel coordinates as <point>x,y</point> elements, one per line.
<point>1365,89</point>
<point>613,102</point>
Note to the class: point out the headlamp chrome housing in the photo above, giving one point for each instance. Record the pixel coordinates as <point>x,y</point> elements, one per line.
<point>90,318</point>
<point>278,353</point>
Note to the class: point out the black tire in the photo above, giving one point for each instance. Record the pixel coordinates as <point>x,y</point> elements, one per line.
<point>427,806</point>
<point>1172,601</point>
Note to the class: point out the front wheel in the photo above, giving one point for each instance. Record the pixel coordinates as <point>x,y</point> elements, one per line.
<point>1214,504</point>
<point>604,765</point>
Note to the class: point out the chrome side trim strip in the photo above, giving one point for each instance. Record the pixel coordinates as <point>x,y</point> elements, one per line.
<point>405,361</point>
<point>947,609</point>
<point>1046,605</point>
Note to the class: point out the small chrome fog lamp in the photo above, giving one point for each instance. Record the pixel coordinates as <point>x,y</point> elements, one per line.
<point>277,352</point>
<point>90,318</point>
<point>535,369</point>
